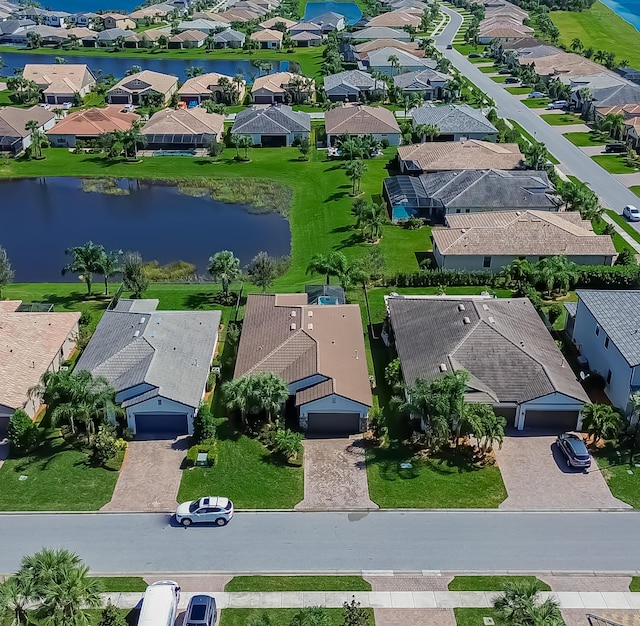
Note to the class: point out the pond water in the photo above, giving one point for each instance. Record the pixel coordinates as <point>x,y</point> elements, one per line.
<point>42,217</point>
<point>118,65</point>
<point>350,10</point>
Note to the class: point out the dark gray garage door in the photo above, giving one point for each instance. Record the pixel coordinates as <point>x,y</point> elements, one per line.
<point>119,99</point>
<point>170,423</point>
<point>551,420</point>
<point>333,423</point>
<point>273,141</point>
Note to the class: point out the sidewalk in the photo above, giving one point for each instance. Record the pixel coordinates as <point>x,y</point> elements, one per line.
<point>591,600</point>
<point>624,234</point>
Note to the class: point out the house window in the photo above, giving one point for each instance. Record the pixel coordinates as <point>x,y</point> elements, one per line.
<point>159,401</point>
<point>486,262</point>
<point>597,330</point>
<point>606,342</point>
<point>457,210</point>
<point>609,377</point>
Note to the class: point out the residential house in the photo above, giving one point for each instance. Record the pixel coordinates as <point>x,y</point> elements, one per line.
<point>108,38</point>
<point>279,88</point>
<point>502,29</point>
<point>603,326</point>
<point>330,22</point>
<point>132,89</point>
<point>371,33</point>
<point>455,122</point>
<point>32,343</point>
<point>352,86</point>
<point>397,19</point>
<point>15,31</point>
<point>318,350</point>
<point>238,15</point>
<point>152,14</point>
<point>305,27</point>
<point>188,39</point>
<point>306,39</point>
<point>437,156</point>
<point>513,362</point>
<point>206,26</point>
<point>182,129</point>
<point>150,38</point>
<point>89,124</point>
<point>14,136</point>
<point>629,73</point>
<point>360,120</point>
<point>60,82</point>
<point>157,361</point>
<point>272,127</point>
<point>560,64</point>
<point>267,38</point>
<point>400,62</point>
<point>271,22</point>
<point>49,35</point>
<point>362,49</point>
<point>55,19</point>
<point>429,84</point>
<point>207,87</point>
<point>491,241</point>
<point>590,83</point>
<point>117,20</point>
<point>438,194</point>
<point>229,39</point>
<point>619,95</point>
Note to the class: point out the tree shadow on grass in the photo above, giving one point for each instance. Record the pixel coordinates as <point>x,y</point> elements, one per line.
<point>75,298</point>
<point>200,300</point>
<point>338,195</point>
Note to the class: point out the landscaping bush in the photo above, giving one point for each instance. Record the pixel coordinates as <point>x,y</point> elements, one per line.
<point>211,381</point>
<point>104,446</point>
<point>447,278</point>
<point>85,318</point>
<point>210,446</point>
<point>626,257</point>
<point>22,433</point>
<point>554,312</point>
<point>287,443</point>
<point>204,426</point>
<point>608,277</point>
<point>127,434</point>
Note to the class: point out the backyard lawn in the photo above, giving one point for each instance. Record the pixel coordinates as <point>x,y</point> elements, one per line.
<point>58,478</point>
<point>561,119</point>
<point>623,480</point>
<point>297,583</point>
<point>246,473</point>
<point>586,139</point>
<point>614,164</point>
<point>277,617</point>
<point>491,583</point>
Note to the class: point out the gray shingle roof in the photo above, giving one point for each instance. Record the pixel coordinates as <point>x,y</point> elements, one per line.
<point>616,312</point>
<point>229,35</point>
<point>418,79</point>
<point>621,94</point>
<point>453,118</point>
<point>352,78</point>
<point>169,350</point>
<point>505,337</point>
<point>274,120</point>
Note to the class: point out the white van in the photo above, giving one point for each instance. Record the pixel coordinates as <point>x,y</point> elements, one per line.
<point>160,604</point>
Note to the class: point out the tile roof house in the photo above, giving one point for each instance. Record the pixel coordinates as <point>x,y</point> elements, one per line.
<point>435,156</point>
<point>157,361</point>
<point>274,88</point>
<point>491,241</point>
<point>272,127</point>
<point>319,352</point>
<point>491,338</point>
<point>14,137</point>
<point>207,87</point>
<point>89,124</point>
<point>305,27</point>
<point>502,29</point>
<point>117,20</point>
<point>183,129</point>
<point>154,13</point>
<point>304,39</point>
<point>205,26</point>
<point>30,345</point>
<point>132,88</point>
<point>381,32</point>
<point>455,122</point>
<point>427,83</point>
<point>603,326</point>
<point>379,60</point>
<point>329,22</point>
<point>107,38</point>
<point>438,194</point>
<point>271,22</point>
<point>188,39</point>
<point>351,86</point>
<point>376,44</point>
<point>229,38</point>
<point>359,120</point>
<point>267,38</point>
<point>60,82</point>
<point>238,15</point>
<point>396,19</point>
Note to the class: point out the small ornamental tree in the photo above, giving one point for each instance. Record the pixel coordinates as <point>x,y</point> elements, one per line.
<point>104,446</point>
<point>111,616</point>
<point>21,432</point>
<point>354,615</point>
<point>203,425</point>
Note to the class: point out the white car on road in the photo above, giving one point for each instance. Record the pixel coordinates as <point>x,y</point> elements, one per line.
<point>212,509</point>
<point>631,213</point>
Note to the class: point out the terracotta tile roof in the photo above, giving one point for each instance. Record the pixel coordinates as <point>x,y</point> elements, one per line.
<point>29,342</point>
<point>61,77</point>
<point>457,155</point>
<point>283,334</point>
<point>189,35</point>
<point>377,44</point>
<point>94,122</point>
<point>267,35</point>
<point>525,233</point>
<point>184,121</point>
<point>274,20</point>
<point>276,83</point>
<point>202,84</point>
<point>161,83</point>
<point>396,19</point>
<point>360,120</point>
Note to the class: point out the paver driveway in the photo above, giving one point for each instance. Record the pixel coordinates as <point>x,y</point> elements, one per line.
<point>335,476</point>
<point>150,476</point>
<point>536,476</point>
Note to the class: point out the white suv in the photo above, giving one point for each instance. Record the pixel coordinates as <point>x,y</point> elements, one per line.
<point>631,213</point>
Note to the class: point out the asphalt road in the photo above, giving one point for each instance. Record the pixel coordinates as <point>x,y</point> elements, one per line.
<point>612,193</point>
<point>285,541</point>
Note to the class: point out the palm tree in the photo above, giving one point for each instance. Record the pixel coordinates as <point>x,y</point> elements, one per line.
<point>15,599</point>
<point>323,264</point>
<point>556,270</point>
<point>163,42</point>
<point>242,141</point>
<point>536,155</point>
<point>38,138</point>
<point>109,265</point>
<point>355,170</point>
<point>369,218</point>
<point>236,397</point>
<point>287,443</point>
<point>134,69</point>
<point>85,260</point>
<point>430,131</point>
<point>272,392</point>
<point>599,56</point>
<point>614,123</point>
<point>395,62</point>
<point>119,43</point>
<point>576,45</point>
<point>601,421</point>
<point>34,40</point>
<point>518,274</point>
<point>224,267</point>
<point>132,139</point>
<point>519,605</point>
<point>192,72</point>
<point>60,60</point>
<point>210,42</point>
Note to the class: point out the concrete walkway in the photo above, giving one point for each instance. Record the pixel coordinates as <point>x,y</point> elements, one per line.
<point>624,234</point>
<point>591,600</point>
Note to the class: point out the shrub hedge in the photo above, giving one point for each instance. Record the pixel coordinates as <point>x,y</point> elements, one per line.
<point>210,446</point>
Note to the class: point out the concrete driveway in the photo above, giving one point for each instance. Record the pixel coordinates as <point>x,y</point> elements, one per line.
<point>335,475</point>
<point>536,476</point>
<point>150,475</point>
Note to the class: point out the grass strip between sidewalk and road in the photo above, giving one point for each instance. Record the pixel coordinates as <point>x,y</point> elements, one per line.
<point>114,584</point>
<point>278,617</point>
<point>635,584</point>
<point>491,583</point>
<point>297,583</point>
<point>624,225</point>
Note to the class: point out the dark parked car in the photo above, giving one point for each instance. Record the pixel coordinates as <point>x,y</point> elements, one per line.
<point>615,147</point>
<point>201,611</point>
<point>510,80</point>
<point>449,46</point>
<point>574,448</point>
<point>475,55</point>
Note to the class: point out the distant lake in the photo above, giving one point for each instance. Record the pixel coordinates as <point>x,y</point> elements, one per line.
<point>627,9</point>
<point>77,6</point>
<point>117,65</point>
<point>350,10</point>
<point>42,217</point>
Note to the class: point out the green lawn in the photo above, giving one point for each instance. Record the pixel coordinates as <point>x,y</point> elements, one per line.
<point>488,69</point>
<point>619,243</point>
<point>246,473</point>
<point>624,225</point>
<point>298,583</point>
<point>121,583</point>
<point>600,28</point>
<point>447,480</point>
<point>518,91</point>
<point>561,119</point>
<point>586,139</point>
<point>635,584</point>
<point>491,583</point>
<point>499,79</point>
<point>635,189</point>
<point>624,481</point>
<point>536,103</point>
<point>613,163</point>
<point>475,617</point>
<point>278,617</point>
<point>58,479</point>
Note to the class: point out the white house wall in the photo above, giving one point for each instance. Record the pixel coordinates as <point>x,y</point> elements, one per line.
<point>160,405</point>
